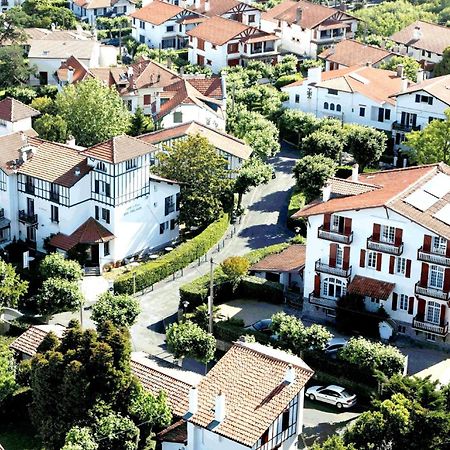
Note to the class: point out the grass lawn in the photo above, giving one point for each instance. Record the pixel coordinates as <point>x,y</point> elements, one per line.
<point>19,437</point>
<point>296,202</point>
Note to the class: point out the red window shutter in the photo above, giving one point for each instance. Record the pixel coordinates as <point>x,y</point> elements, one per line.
<point>421,308</point>
<point>426,243</point>
<point>317,285</point>
<point>394,301</point>
<point>326,222</point>
<point>391,264</point>
<point>362,258</point>
<point>447,253</point>
<point>147,99</point>
<point>442,318</point>
<point>398,236</point>
<point>447,280</point>
<point>333,252</point>
<point>346,258</point>
<point>376,232</point>
<point>379,261</point>
<point>347,226</point>
<point>408,269</point>
<point>424,275</point>
<point>411,305</point>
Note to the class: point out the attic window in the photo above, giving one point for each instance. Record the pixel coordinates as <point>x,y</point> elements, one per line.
<point>101,167</point>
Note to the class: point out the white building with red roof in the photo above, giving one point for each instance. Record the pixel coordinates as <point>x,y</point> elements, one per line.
<point>89,10</point>
<point>15,116</point>
<point>385,237</point>
<point>303,26</point>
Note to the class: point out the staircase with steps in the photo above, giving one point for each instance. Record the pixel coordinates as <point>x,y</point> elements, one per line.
<point>91,271</point>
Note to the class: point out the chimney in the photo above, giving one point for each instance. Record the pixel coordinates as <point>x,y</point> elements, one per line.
<point>420,75</point>
<point>193,400</point>
<point>404,84</point>
<point>355,171</point>
<point>289,376</point>
<point>400,70</point>
<point>417,34</point>
<point>77,171</point>
<point>70,141</point>
<point>314,75</point>
<point>298,15</point>
<point>130,72</point>
<point>207,5</point>
<point>219,409</point>
<point>53,26</point>
<point>326,192</point>
<point>69,74</point>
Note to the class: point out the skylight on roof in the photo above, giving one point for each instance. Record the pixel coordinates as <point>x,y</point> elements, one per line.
<point>421,200</point>
<point>438,186</point>
<point>444,214</point>
<point>359,78</point>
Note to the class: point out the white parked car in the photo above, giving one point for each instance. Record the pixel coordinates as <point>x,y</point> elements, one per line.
<point>334,395</point>
<point>334,345</point>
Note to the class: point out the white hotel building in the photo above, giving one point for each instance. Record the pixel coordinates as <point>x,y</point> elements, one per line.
<point>102,198</point>
<point>384,236</point>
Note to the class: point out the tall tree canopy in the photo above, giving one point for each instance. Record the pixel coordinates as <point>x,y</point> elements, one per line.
<point>14,67</point>
<point>410,66</point>
<point>12,288</point>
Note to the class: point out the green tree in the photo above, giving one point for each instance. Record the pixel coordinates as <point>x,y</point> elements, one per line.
<point>22,93</point>
<point>235,268</point>
<point>188,340</point>
<point>120,310</point>
<point>54,265</point>
<point>311,174</point>
<point>251,174</point>
<point>11,27</point>
<point>140,123</point>
<point>264,99</point>
<point>93,112</point>
<point>200,315</point>
<point>80,438</point>
<point>287,66</point>
<point>52,128</point>
<point>14,67</point>
<point>332,443</point>
<point>115,432</point>
<point>202,173</point>
<point>44,13</point>
<point>12,288</point>
<point>57,295</point>
<point>7,370</point>
<point>365,144</point>
<point>410,66</point>
<point>323,143</point>
<point>443,67</point>
<point>44,104</point>
<point>296,125</point>
<point>432,144</point>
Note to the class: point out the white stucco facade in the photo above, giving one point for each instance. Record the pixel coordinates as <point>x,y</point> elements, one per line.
<point>89,13</point>
<point>185,113</point>
<point>7,127</point>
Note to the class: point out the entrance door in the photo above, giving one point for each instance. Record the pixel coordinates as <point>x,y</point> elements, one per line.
<point>30,206</point>
<point>94,255</point>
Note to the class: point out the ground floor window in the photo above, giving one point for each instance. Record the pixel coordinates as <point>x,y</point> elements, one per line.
<point>333,288</point>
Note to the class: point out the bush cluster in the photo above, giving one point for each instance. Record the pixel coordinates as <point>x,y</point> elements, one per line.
<point>153,271</point>
<point>231,330</point>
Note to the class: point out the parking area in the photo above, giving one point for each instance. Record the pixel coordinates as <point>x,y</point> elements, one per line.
<point>250,311</point>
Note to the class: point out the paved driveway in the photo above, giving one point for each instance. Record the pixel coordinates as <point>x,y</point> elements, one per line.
<point>250,311</point>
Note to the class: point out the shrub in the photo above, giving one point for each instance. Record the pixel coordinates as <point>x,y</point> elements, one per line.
<point>57,295</point>
<point>284,80</point>
<point>153,271</point>
<point>234,268</point>
<point>121,310</point>
<point>55,265</point>
<point>260,289</point>
<point>45,105</point>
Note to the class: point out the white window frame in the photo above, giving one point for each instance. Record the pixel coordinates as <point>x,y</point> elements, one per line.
<point>400,265</point>
<point>372,260</point>
<point>387,234</point>
<point>436,277</point>
<point>403,302</point>
<point>338,288</point>
<point>339,256</point>
<point>433,312</point>
<point>438,245</point>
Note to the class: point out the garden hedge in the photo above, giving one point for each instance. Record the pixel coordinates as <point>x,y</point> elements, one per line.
<point>259,288</point>
<point>151,272</point>
<point>232,329</point>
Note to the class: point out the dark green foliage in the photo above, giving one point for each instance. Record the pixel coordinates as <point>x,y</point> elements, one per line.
<point>52,128</point>
<point>58,295</point>
<point>54,265</point>
<point>443,67</point>
<point>296,125</point>
<point>12,288</point>
<point>21,93</point>
<point>140,123</point>
<point>120,310</point>
<point>231,330</point>
<point>14,68</point>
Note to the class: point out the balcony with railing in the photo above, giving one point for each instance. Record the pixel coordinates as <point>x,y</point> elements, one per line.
<point>30,219</point>
<point>405,127</point>
<point>336,271</point>
<point>322,302</point>
<point>385,247</point>
<point>335,236</point>
<point>420,324</point>
<point>433,257</point>
<point>432,292</point>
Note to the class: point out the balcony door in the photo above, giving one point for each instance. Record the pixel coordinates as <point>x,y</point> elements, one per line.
<point>433,313</point>
<point>333,288</point>
<point>337,224</point>
<point>30,206</point>
<point>436,278</point>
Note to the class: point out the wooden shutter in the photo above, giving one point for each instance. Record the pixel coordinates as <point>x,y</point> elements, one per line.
<point>442,318</point>
<point>326,222</point>
<point>347,226</point>
<point>447,280</point>
<point>97,213</point>
<point>421,309</point>
<point>362,258</point>
<point>391,264</point>
<point>379,261</point>
<point>376,232</point>
<point>447,253</point>
<point>408,269</point>
<point>394,301</point>
<point>424,275</point>
<point>333,253</point>
<point>317,285</point>
<point>411,305</point>
<point>346,258</point>
<point>426,244</point>
<point>398,236</point>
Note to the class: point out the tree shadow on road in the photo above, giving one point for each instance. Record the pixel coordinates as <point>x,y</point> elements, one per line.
<point>274,202</point>
<point>263,235</point>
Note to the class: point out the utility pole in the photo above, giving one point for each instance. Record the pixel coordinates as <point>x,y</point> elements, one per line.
<point>211,296</point>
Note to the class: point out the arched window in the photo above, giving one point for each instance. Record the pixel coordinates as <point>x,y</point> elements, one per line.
<point>325,105</point>
<point>101,167</point>
<point>338,108</point>
<point>333,288</point>
<point>332,106</point>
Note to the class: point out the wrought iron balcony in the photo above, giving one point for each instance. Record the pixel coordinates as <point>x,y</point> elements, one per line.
<point>433,258</point>
<point>384,247</point>
<point>336,271</point>
<point>405,127</point>
<point>335,236</point>
<point>322,302</point>
<point>432,292</point>
<point>420,324</point>
<point>30,219</point>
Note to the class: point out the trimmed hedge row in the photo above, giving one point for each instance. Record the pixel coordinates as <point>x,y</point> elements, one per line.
<point>151,272</point>
<point>259,288</point>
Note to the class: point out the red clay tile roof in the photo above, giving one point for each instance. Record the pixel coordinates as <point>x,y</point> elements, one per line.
<point>90,232</point>
<point>370,287</point>
<point>157,12</point>
<point>434,38</point>
<point>216,7</point>
<point>350,53</point>
<point>80,72</point>
<point>251,377</point>
<point>290,259</point>
<point>119,149</point>
<point>158,375</point>
<point>177,433</point>
<point>437,87</point>
<point>10,146</point>
<point>12,110</point>
<point>29,341</point>
<point>209,87</point>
